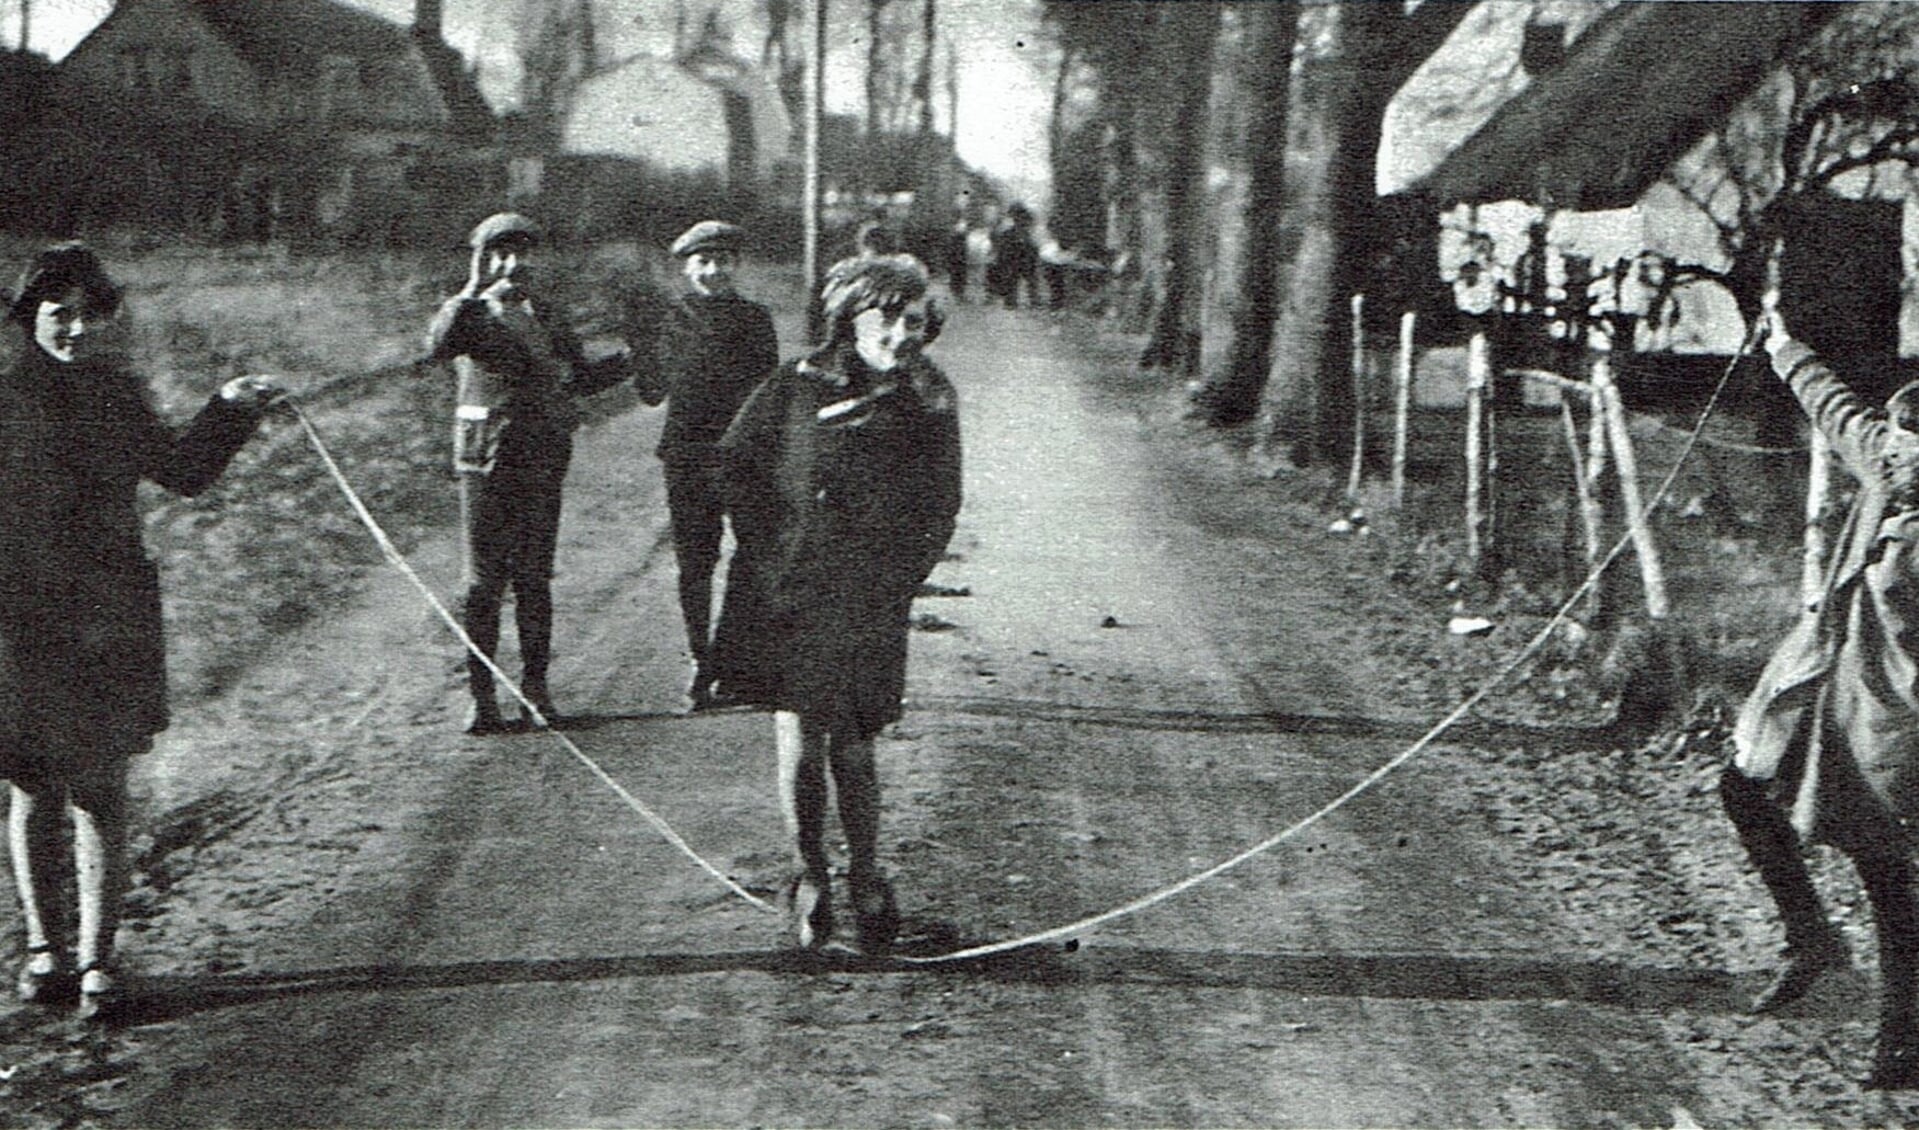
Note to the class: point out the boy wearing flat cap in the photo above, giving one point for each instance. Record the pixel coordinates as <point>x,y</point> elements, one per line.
<point>713,350</point>
<point>520,372</point>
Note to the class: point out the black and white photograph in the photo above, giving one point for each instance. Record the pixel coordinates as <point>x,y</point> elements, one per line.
<point>959,563</point>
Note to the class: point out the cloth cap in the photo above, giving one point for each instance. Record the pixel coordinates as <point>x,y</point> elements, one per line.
<point>502,225</point>
<point>709,235</point>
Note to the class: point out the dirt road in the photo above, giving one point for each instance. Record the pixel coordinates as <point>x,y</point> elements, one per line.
<point>351,915</point>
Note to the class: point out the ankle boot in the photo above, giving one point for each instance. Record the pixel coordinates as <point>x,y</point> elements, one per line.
<point>876,910</point>
<point>483,717</point>
<point>535,690</point>
<point>810,900</point>
<point>481,620</point>
<point>1888,883</point>
<point>1813,945</point>
<point>533,618</point>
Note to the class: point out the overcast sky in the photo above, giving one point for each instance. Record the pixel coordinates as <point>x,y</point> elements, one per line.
<point>1005,60</point>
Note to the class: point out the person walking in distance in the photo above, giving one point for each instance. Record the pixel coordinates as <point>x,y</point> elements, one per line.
<point>520,371</point>
<point>82,659</point>
<point>843,475</point>
<point>714,349</point>
<point>1827,744</point>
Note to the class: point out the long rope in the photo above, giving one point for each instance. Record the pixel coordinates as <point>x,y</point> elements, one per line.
<point>393,555</point>
<point>1070,930</point>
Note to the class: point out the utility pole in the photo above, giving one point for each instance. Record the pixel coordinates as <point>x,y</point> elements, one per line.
<point>25,12</point>
<point>952,91</point>
<point>810,188</point>
<point>923,83</point>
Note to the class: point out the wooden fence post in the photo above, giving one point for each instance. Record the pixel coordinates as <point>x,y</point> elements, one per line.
<point>1583,487</point>
<point>1478,373</point>
<point>1651,573</point>
<point>1359,395</point>
<point>1598,457</point>
<point>1402,405</point>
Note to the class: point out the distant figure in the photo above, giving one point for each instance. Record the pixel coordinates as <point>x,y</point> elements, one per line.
<point>1057,264</point>
<point>1828,742</point>
<point>958,255</point>
<point>843,476</point>
<point>1015,258</point>
<point>713,351</point>
<point>520,371</point>
<point>83,681</point>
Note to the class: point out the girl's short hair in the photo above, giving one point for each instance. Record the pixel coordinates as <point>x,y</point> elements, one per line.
<point>55,271</point>
<point>879,282</point>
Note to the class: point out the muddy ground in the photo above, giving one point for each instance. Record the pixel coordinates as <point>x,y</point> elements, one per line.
<point>349,914</point>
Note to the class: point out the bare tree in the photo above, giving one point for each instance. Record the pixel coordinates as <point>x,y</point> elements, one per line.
<point>1191,30</point>
<point>1117,49</point>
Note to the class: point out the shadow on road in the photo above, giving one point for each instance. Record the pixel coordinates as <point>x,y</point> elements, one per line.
<point>1381,975</point>
<point>1472,731</point>
<point>1475,731</point>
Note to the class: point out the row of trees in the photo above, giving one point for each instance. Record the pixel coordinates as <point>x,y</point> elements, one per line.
<point>1137,87</point>
<point>1292,98</point>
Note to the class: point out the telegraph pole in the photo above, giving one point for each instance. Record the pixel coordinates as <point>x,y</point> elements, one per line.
<point>810,189</point>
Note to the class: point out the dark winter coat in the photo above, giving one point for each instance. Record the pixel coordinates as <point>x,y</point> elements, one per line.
<point>844,485</point>
<point>520,374</point>
<point>82,660</point>
<point>1833,723</point>
<point>711,354</point>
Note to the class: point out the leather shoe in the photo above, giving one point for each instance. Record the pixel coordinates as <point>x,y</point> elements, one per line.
<point>877,911</point>
<point>41,980</point>
<point>482,719</point>
<point>812,905</point>
<point>550,713</point>
<point>1803,966</point>
<point>101,997</point>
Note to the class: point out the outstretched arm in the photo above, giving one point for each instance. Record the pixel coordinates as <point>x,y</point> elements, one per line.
<point>188,462</point>
<point>1852,426</point>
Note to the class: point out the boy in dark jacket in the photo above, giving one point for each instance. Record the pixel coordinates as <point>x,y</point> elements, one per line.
<point>713,350</point>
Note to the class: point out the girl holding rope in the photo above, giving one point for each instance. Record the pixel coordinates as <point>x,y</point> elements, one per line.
<point>1828,742</point>
<point>82,662</point>
<point>842,473</point>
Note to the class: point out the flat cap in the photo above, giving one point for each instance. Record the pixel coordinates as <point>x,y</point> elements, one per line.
<point>502,225</point>
<point>709,235</point>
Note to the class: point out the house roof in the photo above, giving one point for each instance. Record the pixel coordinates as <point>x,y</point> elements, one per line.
<point>292,36</point>
<point>1636,90</point>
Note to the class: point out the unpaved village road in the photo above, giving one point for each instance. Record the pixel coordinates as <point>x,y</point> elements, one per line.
<point>352,915</point>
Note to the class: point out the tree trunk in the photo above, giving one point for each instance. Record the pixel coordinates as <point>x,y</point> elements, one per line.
<point>1173,345</point>
<point>1232,396</point>
<point>1056,120</point>
<point>1377,48</point>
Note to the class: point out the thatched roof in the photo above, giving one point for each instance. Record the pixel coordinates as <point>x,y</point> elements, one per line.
<point>291,36</point>
<point>1643,84</point>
